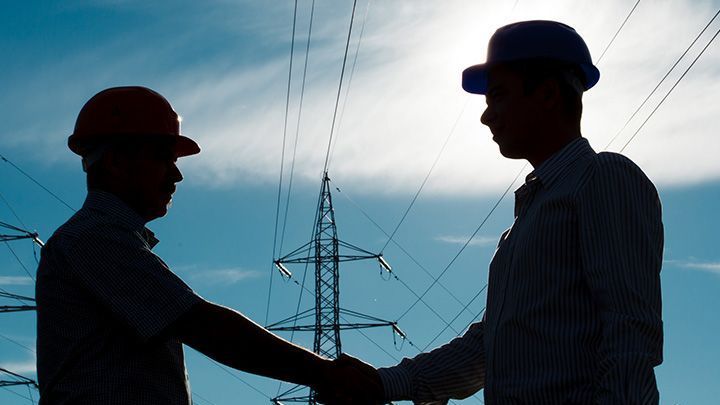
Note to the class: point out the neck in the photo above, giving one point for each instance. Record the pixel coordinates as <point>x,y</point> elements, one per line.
<point>550,145</point>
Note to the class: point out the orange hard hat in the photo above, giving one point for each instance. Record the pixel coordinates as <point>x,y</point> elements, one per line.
<point>128,113</point>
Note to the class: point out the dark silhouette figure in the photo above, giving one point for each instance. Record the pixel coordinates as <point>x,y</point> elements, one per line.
<point>112,317</point>
<point>573,305</point>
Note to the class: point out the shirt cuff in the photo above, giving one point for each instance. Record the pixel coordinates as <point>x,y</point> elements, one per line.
<point>396,381</point>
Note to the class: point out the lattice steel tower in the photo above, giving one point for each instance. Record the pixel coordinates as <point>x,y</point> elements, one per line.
<point>324,251</point>
<point>7,377</point>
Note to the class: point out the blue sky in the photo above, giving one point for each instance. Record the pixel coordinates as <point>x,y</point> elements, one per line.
<point>224,66</point>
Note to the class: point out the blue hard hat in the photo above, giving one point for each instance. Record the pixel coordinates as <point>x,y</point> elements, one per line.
<point>532,40</point>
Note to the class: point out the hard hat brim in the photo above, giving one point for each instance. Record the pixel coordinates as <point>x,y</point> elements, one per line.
<point>475,78</point>
<point>184,146</point>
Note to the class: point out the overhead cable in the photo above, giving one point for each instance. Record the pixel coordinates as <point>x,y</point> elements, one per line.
<point>282,160</point>
<point>617,32</point>
<point>432,168</point>
<point>637,110</point>
<point>671,90</point>
<point>297,130</point>
<point>337,98</point>
<point>465,245</point>
<point>352,74</point>
<point>24,173</point>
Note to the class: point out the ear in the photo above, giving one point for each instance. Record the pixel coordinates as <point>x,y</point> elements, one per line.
<point>549,95</point>
<point>116,164</point>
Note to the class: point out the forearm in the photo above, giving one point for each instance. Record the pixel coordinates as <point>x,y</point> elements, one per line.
<point>455,370</point>
<point>231,338</point>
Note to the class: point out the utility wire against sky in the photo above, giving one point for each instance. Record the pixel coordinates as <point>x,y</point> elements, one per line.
<point>350,79</point>
<point>617,33</point>
<point>339,91</point>
<point>282,160</point>
<point>24,173</point>
<point>18,395</point>
<point>297,129</point>
<point>466,244</point>
<point>432,168</point>
<point>637,110</point>
<point>670,91</point>
<point>393,273</point>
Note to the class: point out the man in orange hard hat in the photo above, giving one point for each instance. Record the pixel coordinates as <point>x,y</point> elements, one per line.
<point>112,317</point>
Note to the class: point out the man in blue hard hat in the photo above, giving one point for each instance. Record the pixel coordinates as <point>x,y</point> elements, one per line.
<point>573,313</point>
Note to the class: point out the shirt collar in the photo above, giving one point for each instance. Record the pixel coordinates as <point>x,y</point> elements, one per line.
<point>550,170</point>
<point>110,204</point>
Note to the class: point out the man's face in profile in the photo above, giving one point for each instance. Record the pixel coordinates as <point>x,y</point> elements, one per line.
<point>510,113</point>
<point>151,174</point>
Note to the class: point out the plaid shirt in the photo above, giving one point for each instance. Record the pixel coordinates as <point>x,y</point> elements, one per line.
<point>573,305</point>
<point>103,298</point>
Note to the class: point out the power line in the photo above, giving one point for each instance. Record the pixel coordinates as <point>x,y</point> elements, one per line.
<point>195,394</point>
<point>18,395</point>
<point>297,128</point>
<point>15,342</point>
<point>410,256</point>
<point>235,376</point>
<point>337,98</point>
<point>352,74</point>
<point>6,160</point>
<point>432,168</point>
<point>637,110</point>
<point>617,32</point>
<point>465,245</point>
<point>282,160</point>
<point>671,90</point>
<point>19,261</point>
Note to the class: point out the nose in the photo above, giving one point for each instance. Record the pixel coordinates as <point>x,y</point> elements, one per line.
<point>175,174</point>
<point>487,117</point>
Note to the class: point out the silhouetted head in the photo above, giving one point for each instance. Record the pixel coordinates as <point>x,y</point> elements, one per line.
<point>533,80</point>
<point>129,139</point>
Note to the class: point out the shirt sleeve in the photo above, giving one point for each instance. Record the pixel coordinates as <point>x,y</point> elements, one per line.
<point>455,370</point>
<point>622,246</point>
<point>118,269</point>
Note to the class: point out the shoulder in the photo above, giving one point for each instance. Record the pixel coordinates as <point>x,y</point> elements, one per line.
<point>613,171</point>
<point>84,226</point>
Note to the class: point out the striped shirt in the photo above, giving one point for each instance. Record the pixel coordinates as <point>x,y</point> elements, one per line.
<point>573,304</point>
<point>103,299</point>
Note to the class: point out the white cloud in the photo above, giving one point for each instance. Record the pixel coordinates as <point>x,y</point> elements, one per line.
<point>15,280</point>
<point>225,276</point>
<point>461,240</point>
<point>405,95</point>
<point>694,264</point>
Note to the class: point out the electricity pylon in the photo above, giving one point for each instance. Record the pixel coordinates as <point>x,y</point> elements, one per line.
<point>18,234</point>
<point>324,251</point>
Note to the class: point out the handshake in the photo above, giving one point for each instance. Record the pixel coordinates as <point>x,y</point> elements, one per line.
<point>348,381</point>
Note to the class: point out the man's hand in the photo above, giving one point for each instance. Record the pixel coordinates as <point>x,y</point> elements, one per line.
<point>350,381</point>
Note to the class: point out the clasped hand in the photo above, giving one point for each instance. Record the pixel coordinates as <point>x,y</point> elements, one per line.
<point>350,381</point>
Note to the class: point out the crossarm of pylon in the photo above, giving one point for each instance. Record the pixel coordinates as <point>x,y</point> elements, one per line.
<point>16,308</point>
<point>290,257</point>
<point>25,234</point>
<point>289,396</point>
<point>21,380</point>
<point>301,315</point>
<point>357,249</point>
<point>363,316</point>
